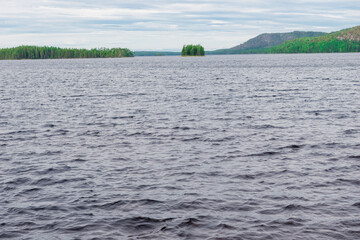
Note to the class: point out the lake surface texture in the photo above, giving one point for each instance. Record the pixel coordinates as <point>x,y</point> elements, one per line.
<point>220,147</point>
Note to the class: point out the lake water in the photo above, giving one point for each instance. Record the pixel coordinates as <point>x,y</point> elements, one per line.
<point>220,147</point>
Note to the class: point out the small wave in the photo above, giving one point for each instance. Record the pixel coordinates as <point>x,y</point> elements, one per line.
<point>19,181</point>
<point>61,132</point>
<point>54,170</point>
<point>29,191</point>
<point>47,208</point>
<point>246,176</point>
<point>94,133</point>
<point>183,173</point>
<point>78,160</point>
<point>293,207</point>
<point>225,226</point>
<point>25,224</point>
<point>237,207</point>
<point>190,222</point>
<point>350,181</point>
<point>9,235</point>
<point>293,147</point>
<point>111,95</point>
<point>127,204</point>
<point>318,112</point>
<point>50,226</point>
<point>139,134</point>
<point>49,125</point>
<point>140,224</point>
<point>266,126</point>
<point>192,205</point>
<point>181,128</point>
<point>351,131</point>
<point>270,211</point>
<point>50,153</point>
<point>213,174</point>
<point>191,139</point>
<point>52,181</point>
<point>285,197</point>
<point>219,140</point>
<point>290,207</point>
<point>293,222</point>
<point>342,116</point>
<point>81,228</point>
<point>357,204</point>
<point>351,223</point>
<point>20,132</point>
<point>123,117</point>
<point>74,96</point>
<point>264,154</point>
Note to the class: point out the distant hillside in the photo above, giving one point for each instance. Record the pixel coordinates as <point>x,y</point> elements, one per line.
<point>347,40</point>
<point>266,40</point>
<point>155,53</point>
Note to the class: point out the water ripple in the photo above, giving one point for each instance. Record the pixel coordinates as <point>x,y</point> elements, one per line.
<point>221,147</point>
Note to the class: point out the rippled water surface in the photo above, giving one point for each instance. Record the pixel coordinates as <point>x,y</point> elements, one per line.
<point>220,147</point>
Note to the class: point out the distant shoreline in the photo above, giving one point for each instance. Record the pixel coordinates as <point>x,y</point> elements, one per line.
<point>343,41</point>
<point>36,52</point>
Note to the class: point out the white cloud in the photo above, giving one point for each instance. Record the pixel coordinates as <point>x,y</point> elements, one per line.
<point>158,24</point>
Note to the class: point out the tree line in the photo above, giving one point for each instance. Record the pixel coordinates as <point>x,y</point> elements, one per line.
<point>34,52</point>
<point>346,40</point>
<point>192,50</point>
<point>310,46</point>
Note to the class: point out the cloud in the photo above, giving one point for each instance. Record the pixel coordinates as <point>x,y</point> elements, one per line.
<point>161,24</point>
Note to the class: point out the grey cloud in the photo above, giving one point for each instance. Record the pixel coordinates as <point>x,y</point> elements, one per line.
<point>204,17</point>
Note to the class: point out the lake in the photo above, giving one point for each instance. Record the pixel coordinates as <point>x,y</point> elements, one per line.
<point>218,147</point>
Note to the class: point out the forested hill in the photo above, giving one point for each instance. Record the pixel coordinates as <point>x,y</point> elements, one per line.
<point>266,40</point>
<point>34,52</point>
<point>347,40</point>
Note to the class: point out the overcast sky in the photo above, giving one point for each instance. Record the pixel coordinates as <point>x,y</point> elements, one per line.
<point>165,24</point>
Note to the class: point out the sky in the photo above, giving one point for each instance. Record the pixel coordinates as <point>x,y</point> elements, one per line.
<point>165,24</point>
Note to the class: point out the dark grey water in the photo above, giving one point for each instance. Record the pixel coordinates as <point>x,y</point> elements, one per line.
<point>221,147</point>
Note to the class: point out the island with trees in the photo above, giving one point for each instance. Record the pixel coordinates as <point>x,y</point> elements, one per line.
<point>34,52</point>
<point>192,50</point>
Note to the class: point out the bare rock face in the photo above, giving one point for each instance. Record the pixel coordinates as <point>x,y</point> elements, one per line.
<point>352,34</point>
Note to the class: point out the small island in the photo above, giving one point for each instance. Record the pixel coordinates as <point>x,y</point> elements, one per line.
<point>192,50</point>
<point>34,52</point>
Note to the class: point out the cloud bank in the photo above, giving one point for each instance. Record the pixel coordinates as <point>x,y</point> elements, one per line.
<point>164,25</point>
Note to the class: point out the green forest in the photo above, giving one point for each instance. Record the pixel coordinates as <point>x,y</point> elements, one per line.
<point>34,52</point>
<point>192,50</point>
<point>308,45</point>
<point>342,41</point>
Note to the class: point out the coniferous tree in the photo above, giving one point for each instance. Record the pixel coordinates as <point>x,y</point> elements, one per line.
<point>192,50</point>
